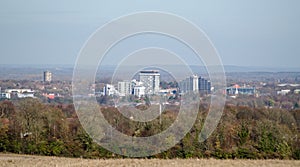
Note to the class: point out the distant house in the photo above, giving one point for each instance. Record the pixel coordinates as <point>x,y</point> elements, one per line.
<point>49,95</point>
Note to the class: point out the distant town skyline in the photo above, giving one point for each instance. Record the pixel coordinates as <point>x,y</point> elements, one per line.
<point>245,33</point>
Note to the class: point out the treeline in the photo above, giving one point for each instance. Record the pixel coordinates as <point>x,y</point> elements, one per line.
<point>29,126</point>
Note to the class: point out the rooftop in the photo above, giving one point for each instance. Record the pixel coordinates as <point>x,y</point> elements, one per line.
<point>149,71</point>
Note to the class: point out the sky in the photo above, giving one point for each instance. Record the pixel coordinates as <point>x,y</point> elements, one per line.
<point>244,32</point>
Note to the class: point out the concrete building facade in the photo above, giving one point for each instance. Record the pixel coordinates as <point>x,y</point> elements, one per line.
<point>139,90</point>
<point>109,90</point>
<point>47,76</point>
<point>150,80</point>
<point>195,84</point>
<point>124,88</point>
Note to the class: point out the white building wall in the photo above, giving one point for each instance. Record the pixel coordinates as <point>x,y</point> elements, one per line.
<point>124,88</point>
<point>139,91</point>
<point>189,84</point>
<point>150,80</point>
<point>109,90</point>
<point>194,81</point>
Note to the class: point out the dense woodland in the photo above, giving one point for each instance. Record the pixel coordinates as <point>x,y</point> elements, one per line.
<point>28,126</point>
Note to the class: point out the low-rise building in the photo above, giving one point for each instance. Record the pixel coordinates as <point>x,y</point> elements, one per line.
<point>236,90</point>
<point>170,91</point>
<point>297,91</point>
<point>283,92</point>
<point>49,95</point>
<point>139,90</point>
<point>5,96</point>
<point>109,90</point>
<point>19,93</point>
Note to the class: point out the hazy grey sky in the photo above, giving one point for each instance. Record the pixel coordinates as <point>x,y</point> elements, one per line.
<point>245,32</point>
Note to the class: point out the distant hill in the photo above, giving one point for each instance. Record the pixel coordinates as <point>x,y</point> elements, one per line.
<point>229,68</point>
<point>65,72</point>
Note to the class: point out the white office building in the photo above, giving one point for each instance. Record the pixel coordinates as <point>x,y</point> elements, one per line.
<point>139,90</point>
<point>150,80</point>
<point>124,88</point>
<point>109,90</point>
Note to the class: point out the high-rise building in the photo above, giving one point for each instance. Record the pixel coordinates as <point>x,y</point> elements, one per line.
<point>204,85</point>
<point>125,88</point>
<point>150,80</point>
<point>190,84</point>
<point>194,80</point>
<point>47,76</point>
<point>195,84</point>
<point>184,86</point>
